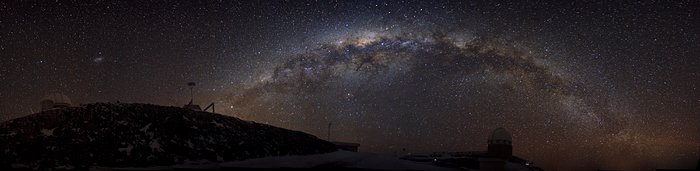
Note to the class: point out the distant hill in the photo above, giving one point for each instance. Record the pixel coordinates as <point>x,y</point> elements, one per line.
<point>141,135</point>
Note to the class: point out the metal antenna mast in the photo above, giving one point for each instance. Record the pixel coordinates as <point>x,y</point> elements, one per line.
<point>191,85</point>
<point>329,130</point>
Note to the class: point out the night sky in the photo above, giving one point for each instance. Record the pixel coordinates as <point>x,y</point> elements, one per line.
<point>581,85</point>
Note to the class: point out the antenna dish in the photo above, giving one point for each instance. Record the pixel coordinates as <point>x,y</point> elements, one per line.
<point>191,105</point>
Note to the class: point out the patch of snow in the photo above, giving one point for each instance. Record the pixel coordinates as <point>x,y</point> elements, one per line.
<point>211,166</point>
<point>68,167</point>
<point>133,168</point>
<point>150,157</point>
<point>196,162</point>
<point>211,140</point>
<point>47,132</point>
<point>126,149</point>
<point>190,144</point>
<point>155,146</point>
<point>219,158</point>
<point>192,166</point>
<point>12,133</point>
<point>123,122</point>
<point>18,165</point>
<point>145,128</point>
<point>342,158</point>
<point>217,124</point>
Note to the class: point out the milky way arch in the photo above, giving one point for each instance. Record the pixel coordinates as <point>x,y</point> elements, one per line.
<point>412,82</point>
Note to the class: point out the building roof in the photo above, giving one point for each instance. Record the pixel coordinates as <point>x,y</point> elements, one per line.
<point>500,134</point>
<point>57,98</point>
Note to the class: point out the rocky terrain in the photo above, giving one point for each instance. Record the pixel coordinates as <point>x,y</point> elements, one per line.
<point>142,135</point>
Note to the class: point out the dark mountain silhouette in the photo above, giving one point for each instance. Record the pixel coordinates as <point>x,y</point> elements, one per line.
<point>142,135</point>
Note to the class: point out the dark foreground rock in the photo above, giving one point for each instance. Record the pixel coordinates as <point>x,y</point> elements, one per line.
<point>139,135</point>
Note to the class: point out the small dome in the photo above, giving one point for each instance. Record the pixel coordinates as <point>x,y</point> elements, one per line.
<point>500,136</point>
<point>57,98</point>
<point>54,101</point>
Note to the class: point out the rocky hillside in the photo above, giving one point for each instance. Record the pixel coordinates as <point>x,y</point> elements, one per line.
<point>140,135</point>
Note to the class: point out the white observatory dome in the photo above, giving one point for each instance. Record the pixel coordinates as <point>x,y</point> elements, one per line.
<point>500,136</point>
<point>55,100</point>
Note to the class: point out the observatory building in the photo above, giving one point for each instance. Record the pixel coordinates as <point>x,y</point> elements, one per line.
<point>500,144</point>
<point>55,101</point>
<point>498,157</point>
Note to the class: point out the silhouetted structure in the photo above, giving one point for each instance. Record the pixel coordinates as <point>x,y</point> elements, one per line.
<point>347,146</point>
<point>498,157</point>
<point>191,104</point>
<point>500,144</point>
<point>213,110</point>
<point>54,101</point>
<point>500,150</point>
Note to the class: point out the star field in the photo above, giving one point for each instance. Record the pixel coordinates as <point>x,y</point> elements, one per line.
<point>581,85</point>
